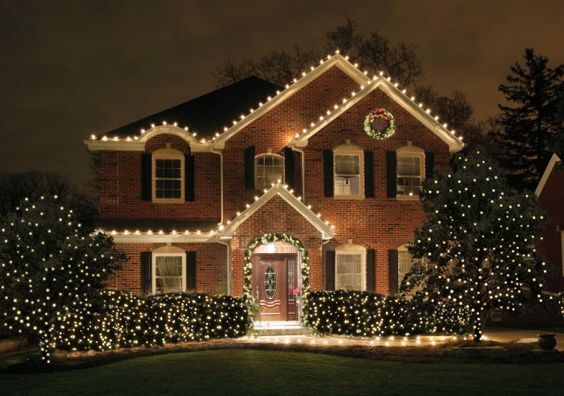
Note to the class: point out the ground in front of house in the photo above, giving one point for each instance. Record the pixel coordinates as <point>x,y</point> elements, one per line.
<point>249,372</point>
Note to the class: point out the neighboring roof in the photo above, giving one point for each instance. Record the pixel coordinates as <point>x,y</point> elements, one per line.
<point>278,190</point>
<point>209,113</point>
<point>547,172</point>
<point>384,84</point>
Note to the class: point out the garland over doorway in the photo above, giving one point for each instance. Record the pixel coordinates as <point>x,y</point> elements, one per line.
<point>248,266</point>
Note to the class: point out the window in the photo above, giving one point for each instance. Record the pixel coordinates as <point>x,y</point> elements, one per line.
<point>350,267</point>
<point>410,171</point>
<point>405,262</point>
<point>169,273</point>
<point>349,171</point>
<point>269,168</point>
<point>168,176</point>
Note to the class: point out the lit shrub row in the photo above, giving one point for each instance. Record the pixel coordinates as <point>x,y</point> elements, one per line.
<point>365,314</point>
<point>122,320</point>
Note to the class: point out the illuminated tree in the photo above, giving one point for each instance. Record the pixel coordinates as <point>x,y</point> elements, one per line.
<point>48,264</point>
<point>477,244</point>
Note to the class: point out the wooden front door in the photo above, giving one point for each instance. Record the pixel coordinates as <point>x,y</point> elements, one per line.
<point>274,285</point>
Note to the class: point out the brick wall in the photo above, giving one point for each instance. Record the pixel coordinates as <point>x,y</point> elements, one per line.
<point>120,190</point>
<point>211,267</point>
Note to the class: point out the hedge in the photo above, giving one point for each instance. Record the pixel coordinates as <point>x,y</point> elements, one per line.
<point>365,314</point>
<point>123,320</point>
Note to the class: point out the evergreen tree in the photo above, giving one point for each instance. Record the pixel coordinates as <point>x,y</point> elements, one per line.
<point>477,244</point>
<point>530,120</point>
<point>48,263</point>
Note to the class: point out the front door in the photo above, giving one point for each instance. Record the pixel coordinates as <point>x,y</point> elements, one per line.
<point>271,275</point>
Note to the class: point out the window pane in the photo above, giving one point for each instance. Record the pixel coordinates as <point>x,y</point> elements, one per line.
<point>168,178</point>
<point>268,169</point>
<point>409,166</point>
<point>349,271</point>
<point>347,185</point>
<point>405,262</point>
<point>347,164</point>
<point>168,274</point>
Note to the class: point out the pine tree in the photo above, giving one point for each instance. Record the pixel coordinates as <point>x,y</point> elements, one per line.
<point>48,264</point>
<point>530,120</point>
<point>477,244</point>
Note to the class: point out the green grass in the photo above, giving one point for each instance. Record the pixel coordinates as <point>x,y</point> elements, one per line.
<point>248,372</point>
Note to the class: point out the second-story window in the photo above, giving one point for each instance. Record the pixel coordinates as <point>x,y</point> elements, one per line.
<point>269,168</point>
<point>410,171</point>
<point>348,172</point>
<point>168,176</point>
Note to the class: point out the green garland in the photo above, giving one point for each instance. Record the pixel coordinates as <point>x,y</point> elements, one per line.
<point>382,114</point>
<point>248,268</point>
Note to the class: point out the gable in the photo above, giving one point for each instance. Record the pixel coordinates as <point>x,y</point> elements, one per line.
<point>547,174</point>
<point>277,191</point>
<point>417,111</point>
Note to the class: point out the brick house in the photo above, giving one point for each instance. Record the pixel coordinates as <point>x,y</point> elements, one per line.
<point>550,196</point>
<point>188,207</point>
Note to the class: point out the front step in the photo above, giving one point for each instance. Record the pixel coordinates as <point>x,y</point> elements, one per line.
<point>280,328</point>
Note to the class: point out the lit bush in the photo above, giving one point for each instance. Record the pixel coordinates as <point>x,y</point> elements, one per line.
<point>365,314</point>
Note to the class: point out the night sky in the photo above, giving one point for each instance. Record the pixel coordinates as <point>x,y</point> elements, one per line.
<point>72,68</point>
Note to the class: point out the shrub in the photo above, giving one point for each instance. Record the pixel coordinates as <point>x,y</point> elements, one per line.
<point>364,314</point>
<point>123,320</point>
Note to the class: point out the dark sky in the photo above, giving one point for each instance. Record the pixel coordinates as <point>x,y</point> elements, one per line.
<point>72,68</point>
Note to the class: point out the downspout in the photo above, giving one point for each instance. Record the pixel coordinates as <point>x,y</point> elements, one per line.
<point>226,244</point>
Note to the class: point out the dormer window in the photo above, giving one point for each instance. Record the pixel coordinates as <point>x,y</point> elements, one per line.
<point>348,172</point>
<point>269,169</point>
<point>168,176</point>
<point>410,171</point>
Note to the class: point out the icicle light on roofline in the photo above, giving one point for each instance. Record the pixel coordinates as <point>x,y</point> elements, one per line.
<point>375,78</point>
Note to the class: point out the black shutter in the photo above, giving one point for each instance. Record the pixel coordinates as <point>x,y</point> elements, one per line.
<point>191,271</point>
<point>368,173</point>
<point>189,181</point>
<point>429,164</point>
<point>330,270</point>
<point>371,270</point>
<point>391,170</point>
<point>289,167</point>
<point>393,271</point>
<point>250,167</point>
<point>146,176</point>
<point>146,273</point>
<point>328,173</point>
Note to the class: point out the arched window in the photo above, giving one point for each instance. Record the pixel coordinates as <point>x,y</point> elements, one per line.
<point>348,160</point>
<point>350,267</point>
<point>269,168</point>
<point>410,170</point>
<point>168,176</point>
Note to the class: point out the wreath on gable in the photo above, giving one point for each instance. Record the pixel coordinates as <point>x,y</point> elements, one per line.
<point>380,124</point>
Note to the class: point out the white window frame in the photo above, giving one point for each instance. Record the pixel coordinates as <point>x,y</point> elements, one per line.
<point>167,251</point>
<point>352,250</point>
<point>164,154</point>
<point>403,250</point>
<point>410,151</point>
<point>349,149</point>
<point>264,155</point>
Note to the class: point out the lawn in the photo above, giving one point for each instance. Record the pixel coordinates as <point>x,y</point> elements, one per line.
<point>248,372</point>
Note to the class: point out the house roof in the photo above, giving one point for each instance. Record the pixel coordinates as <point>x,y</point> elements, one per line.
<point>207,114</point>
<point>282,191</point>
<point>548,170</point>
<point>384,84</point>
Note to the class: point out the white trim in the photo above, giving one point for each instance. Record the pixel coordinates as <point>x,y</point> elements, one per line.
<point>164,154</point>
<point>127,238</point>
<point>335,60</point>
<point>454,143</point>
<point>156,254</point>
<point>547,172</point>
<point>352,250</point>
<point>137,143</point>
<point>297,204</point>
